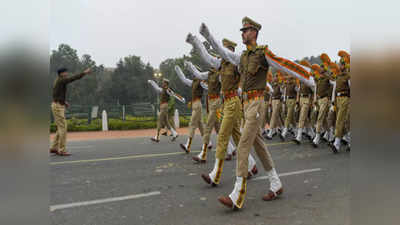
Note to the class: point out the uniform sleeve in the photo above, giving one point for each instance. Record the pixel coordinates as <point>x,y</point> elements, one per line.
<point>348,79</point>
<point>293,69</point>
<point>181,76</point>
<point>72,78</point>
<point>155,86</point>
<point>264,61</point>
<point>225,53</point>
<point>199,75</point>
<point>333,92</point>
<point>271,90</point>
<point>207,58</point>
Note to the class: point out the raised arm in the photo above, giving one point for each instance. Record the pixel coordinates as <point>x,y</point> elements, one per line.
<point>195,71</point>
<point>290,67</point>
<point>207,58</point>
<point>225,53</point>
<point>271,91</point>
<point>333,90</point>
<point>155,86</point>
<point>181,76</point>
<point>75,77</point>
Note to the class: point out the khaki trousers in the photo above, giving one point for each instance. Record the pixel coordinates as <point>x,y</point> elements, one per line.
<point>163,120</point>
<point>251,136</point>
<point>276,109</point>
<point>212,122</point>
<point>230,126</point>
<point>196,119</point>
<point>266,117</point>
<point>290,104</point>
<point>304,108</point>
<point>330,118</point>
<point>60,139</point>
<point>171,121</point>
<point>323,104</point>
<point>342,106</point>
<point>347,123</point>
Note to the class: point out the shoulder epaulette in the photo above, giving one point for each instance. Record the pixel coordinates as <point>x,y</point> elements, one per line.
<point>262,47</point>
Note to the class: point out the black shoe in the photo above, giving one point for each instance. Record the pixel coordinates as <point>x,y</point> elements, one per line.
<point>155,140</point>
<point>164,133</point>
<point>297,141</point>
<point>197,159</point>
<point>174,138</point>
<point>184,148</point>
<point>268,138</point>
<point>208,180</point>
<point>282,137</point>
<point>334,150</point>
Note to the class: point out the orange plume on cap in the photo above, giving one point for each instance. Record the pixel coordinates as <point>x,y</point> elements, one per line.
<point>305,63</point>
<point>343,53</point>
<point>325,58</point>
<point>334,67</point>
<point>345,56</point>
<point>280,76</point>
<point>316,68</point>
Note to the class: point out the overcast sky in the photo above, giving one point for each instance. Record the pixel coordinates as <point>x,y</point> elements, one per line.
<point>156,30</point>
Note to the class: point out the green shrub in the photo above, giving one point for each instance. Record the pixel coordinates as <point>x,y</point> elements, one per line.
<point>131,123</point>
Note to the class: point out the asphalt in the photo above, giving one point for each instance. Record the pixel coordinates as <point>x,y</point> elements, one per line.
<point>136,181</point>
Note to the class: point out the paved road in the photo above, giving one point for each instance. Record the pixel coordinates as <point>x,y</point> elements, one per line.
<point>135,181</point>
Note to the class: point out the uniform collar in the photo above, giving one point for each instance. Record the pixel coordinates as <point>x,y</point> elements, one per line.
<point>251,47</point>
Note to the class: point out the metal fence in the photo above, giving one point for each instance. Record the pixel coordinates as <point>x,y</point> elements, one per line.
<point>146,111</point>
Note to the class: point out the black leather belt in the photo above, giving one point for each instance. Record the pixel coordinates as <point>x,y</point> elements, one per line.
<point>304,95</point>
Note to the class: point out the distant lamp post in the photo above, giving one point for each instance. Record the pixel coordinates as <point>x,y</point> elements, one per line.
<point>157,75</point>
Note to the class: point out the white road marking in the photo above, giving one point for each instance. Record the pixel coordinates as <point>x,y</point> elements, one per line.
<point>128,197</point>
<point>100,201</point>
<point>290,173</point>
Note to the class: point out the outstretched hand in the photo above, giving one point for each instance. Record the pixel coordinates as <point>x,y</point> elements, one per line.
<point>204,30</point>
<point>190,38</point>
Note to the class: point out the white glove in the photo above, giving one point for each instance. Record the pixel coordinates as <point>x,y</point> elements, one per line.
<point>190,39</point>
<point>204,30</point>
<point>239,91</point>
